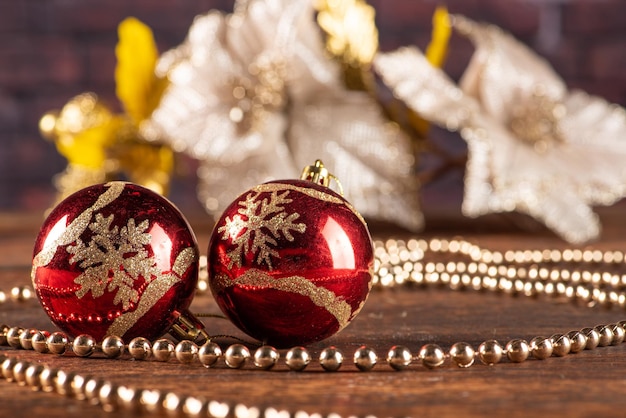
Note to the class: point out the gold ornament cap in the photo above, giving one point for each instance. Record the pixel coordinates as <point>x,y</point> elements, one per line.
<point>317,173</point>
<point>188,327</point>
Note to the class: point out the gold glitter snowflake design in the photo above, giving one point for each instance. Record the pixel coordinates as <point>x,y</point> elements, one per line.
<point>113,259</point>
<point>257,227</point>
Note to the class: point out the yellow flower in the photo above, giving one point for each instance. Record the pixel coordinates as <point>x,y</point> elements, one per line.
<point>100,145</point>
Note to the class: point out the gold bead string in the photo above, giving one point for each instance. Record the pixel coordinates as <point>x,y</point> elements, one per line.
<point>595,277</point>
<point>590,276</point>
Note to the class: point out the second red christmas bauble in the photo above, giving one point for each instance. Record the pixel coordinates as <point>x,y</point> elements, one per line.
<point>290,262</point>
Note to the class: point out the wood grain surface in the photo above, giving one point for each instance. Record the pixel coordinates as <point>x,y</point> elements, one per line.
<point>587,384</point>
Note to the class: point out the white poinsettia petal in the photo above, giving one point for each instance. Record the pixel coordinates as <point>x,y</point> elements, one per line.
<point>549,198</point>
<point>220,183</point>
<point>371,157</point>
<point>597,129</point>
<point>265,26</point>
<point>346,129</point>
<point>312,69</point>
<point>424,88</point>
<point>502,70</point>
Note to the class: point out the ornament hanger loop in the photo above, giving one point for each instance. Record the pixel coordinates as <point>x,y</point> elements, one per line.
<point>317,173</point>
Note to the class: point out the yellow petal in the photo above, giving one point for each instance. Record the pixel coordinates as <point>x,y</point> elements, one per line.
<point>438,47</point>
<point>136,84</point>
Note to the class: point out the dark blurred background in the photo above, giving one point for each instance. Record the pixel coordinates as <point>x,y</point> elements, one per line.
<point>51,50</point>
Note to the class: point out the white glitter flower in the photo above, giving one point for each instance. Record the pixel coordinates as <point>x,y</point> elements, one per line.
<point>534,146</point>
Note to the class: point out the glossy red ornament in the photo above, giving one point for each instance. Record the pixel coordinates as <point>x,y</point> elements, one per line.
<point>115,259</point>
<point>290,262</point>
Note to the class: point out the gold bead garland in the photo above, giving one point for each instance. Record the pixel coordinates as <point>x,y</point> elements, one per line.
<point>591,276</point>
<point>597,280</point>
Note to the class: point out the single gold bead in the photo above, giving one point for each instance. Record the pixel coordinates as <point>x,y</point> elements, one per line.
<point>186,351</point>
<point>266,357</point>
<point>365,358</point>
<point>218,409</point>
<point>107,396</point>
<point>13,337</point>
<point>244,411</point>
<point>541,347</point>
<point>163,349</point>
<point>193,406</point>
<point>151,399</point>
<point>517,350</point>
<point>78,386</point>
<point>172,403</point>
<point>39,343</point>
<point>399,357</point>
<point>618,334</point>
<point>84,345</point>
<point>209,353</point>
<point>92,390</point>
<point>7,368</point>
<point>63,382</point>
<point>128,398</point>
<point>57,343</point>
<point>561,345</point>
<point>32,376</point>
<point>112,346</point>
<point>462,354</point>
<point>578,341</point>
<point>593,338</point>
<point>26,338</point>
<point>490,352</point>
<point>297,358</point>
<point>236,356</point>
<point>47,379</point>
<point>432,356</point>
<point>606,335</point>
<point>19,372</point>
<point>331,359</point>
<point>139,348</point>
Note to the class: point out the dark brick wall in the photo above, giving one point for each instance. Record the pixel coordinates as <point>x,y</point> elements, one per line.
<point>51,50</point>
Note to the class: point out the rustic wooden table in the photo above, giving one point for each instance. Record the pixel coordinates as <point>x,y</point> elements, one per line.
<point>590,383</point>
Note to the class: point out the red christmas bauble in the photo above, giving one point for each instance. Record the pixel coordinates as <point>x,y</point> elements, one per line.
<point>115,259</point>
<point>290,262</point>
